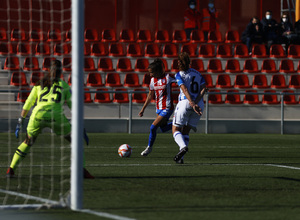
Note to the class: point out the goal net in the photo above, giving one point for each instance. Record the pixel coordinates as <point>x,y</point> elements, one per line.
<point>32,34</point>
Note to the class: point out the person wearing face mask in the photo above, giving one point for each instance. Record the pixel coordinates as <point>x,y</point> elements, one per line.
<point>270,28</point>
<point>287,35</point>
<point>192,19</point>
<point>253,34</point>
<point>210,16</point>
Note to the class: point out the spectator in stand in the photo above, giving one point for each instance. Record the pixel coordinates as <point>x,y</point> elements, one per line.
<point>192,19</point>
<point>286,29</point>
<point>270,28</point>
<point>297,32</point>
<point>210,16</point>
<point>253,34</point>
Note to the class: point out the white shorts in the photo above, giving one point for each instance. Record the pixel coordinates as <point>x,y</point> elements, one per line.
<point>185,115</point>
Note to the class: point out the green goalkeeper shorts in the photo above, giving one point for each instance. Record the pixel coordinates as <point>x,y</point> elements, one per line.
<point>59,124</point>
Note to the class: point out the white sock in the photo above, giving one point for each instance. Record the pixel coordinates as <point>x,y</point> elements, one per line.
<point>178,137</point>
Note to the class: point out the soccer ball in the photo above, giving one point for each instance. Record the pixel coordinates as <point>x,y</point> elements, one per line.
<point>124,150</point>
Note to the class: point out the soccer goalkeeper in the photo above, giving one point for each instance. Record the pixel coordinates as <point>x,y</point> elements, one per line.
<point>49,94</point>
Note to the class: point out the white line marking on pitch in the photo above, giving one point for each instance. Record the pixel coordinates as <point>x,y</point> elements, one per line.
<point>103,214</point>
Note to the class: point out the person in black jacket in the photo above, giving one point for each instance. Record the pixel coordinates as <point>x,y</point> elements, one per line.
<point>253,34</point>
<point>270,29</point>
<point>287,34</point>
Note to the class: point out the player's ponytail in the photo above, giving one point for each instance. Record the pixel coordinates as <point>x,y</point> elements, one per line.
<point>52,76</point>
<point>184,61</point>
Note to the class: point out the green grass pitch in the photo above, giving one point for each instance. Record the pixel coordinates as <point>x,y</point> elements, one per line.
<point>225,176</point>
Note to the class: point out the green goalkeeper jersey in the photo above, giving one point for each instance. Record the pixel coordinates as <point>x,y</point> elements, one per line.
<point>49,99</point>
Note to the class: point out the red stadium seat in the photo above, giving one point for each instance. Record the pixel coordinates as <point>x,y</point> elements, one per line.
<point>198,65</point>
<point>191,49</point>
<point>233,98</point>
<point>91,35</point>
<point>278,82</point>
<point>250,66</point>
<point>94,80</point>
<point>113,80</point>
<point>286,66</point>
<point>241,51</point>
<point>35,77</point>
<point>208,81</point>
<point>214,37</point>
<point>134,50</point>
<point>54,35</point>
<point>294,82</point>
<point>24,48</point>
<point>131,80</point>
<point>277,51</point>
<point>170,50</point>
<point>268,66</point>
<point>18,79</point>
<point>270,99</point>
<point>152,50</point>
<point>23,94</point>
<point>67,63</point>
<point>259,51</point>
<point>42,49</point>
<point>141,65</point>
<point>120,97</point>
<point>146,80</point>
<point>197,36</point>
<point>127,36</point>
<point>105,65</point>
<point>5,48</point>
<point>87,49</point>
<point>214,66</point>
<point>162,36</point>
<point>294,51</point>
<point>101,97</point>
<point>241,81</point>
<point>87,96</point>
<point>260,82</point>
<point>224,51</point>
<point>223,81</point>
<point>232,66</point>
<point>68,36</point>
<point>36,35</point>
<point>108,35</point>
<point>251,98</point>
<point>232,36</point>
<point>124,65</point>
<point>3,34</point>
<point>174,66</point>
<point>31,64</point>
<point>116,50</point>
<point>99,49</point>
<point>17,35</point>
<point>89,64</point>
<point>11,63</point>
<point>47,63</point>
<point>290,98</point>
<point>70,79</point>
<point>215,98</point>
<point>165,65</point>
<point>139,97</point>
<point>206,51</point>
<point>179,36</point>
<point>144,36</point>
<point>61,49</point>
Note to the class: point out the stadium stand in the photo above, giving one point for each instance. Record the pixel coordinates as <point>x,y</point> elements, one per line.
<point>127,36</point>
<point>105,64</point>
<point>139,97</point>
<point>179,36</point>
<point>294,82</point>
<point>208,81</point>
<point>116,50</point>
<point>278,82</point>
<point>232,66</point>
<point>42,49</point>
<point>87,96</point>
<point>207,51</point>
<point>215,98</point>
<point>191,49</point>
<point>197,36</point>
<point>18,79</point>
<point>294,51</point>
<point>120,97</point>
<point>89,64</point>
<point>91,35</point>
<point>286,66</point>
<point>241,51</point>
<point>250,66</point>
<point>108,35</point>
<point>233,98</point>
<point>94,80</point>
<point>198,65</point>
<point>54,35</point>
<point>224,51</point>
<point>232,37</point>
<point>102,97</point>
<point>98,49</point>
<point>23,94</point>
<point>214,37</point>
<point>260,81</point>
<point>277,51</point>
<point>223,81</point>
<point>17,34</point>
<point>141,65</point>
<point>35,77</point>
<point>113,80</point>
<point>152,50</point>
<point>134,50</point>
<point>124,65</point>
<point>131,80</point>
<point>162,36</point>
<point>241,81</point>
<point>270,99</point>
<point>3,34</point>
<point>252,99</point>
<point>214,66</point>
<point>268,66</point>
<point>47,63</point>
<point>170,50</point>
<point>144,36</point>
<point>259,51</point>
<point>31,64</point>
<point>12,63</point>
<point>36,35</point>
<point>290,99</point>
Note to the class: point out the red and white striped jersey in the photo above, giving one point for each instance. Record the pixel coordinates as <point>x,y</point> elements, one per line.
<point>163,92</point>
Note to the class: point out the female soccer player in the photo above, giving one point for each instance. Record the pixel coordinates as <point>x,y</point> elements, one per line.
<point>49,94</point>
<point>189,108</point>
<point>160,85</point>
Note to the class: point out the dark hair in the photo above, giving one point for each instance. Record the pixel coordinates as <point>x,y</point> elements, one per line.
<point>184,61</point>
<point>192,1</point>
<point>269,11</point>
<point>52,76</point>
<point>157,67</point>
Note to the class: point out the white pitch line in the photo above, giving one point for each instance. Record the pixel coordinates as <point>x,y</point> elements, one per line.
<point>283,166</point>
<point>104,214</point>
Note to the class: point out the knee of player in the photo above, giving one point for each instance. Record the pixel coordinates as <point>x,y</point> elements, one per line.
<point>29,140</point>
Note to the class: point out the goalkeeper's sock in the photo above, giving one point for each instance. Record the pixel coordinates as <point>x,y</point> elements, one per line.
<point>166,127</point>
<point>178,137</point>
<point>152,135</point>
<point>19,155</point>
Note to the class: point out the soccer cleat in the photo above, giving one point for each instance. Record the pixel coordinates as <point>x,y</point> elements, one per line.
<point>180,161</point>
<point>146,151</point>
<point>87,175</point>
<point>180,154</point>
<point>10,173</point>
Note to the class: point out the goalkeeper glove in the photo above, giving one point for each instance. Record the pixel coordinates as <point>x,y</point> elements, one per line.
<point>86,138</point>
<point>19,126</point>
